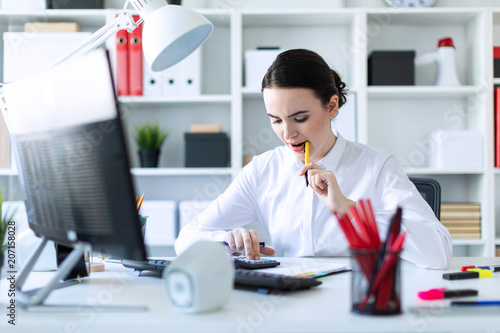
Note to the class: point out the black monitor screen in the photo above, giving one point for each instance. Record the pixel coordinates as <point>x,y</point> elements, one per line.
<point>72,158</point>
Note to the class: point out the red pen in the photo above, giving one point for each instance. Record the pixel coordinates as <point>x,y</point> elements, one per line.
<point>349,232</point>
<point>364,233</point>
<point>370,216</point>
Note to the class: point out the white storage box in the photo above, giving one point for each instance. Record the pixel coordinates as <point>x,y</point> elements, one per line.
<point>28,53</point>
<point>456,149</point>
<point>161,223</point>
<point>256,64</point>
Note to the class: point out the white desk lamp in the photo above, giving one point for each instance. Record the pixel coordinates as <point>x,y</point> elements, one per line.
<point>170,32</point>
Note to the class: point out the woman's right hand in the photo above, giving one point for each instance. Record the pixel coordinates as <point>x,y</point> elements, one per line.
<point>246,241</point>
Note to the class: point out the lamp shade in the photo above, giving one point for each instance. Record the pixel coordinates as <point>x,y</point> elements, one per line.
<point>171,33</point>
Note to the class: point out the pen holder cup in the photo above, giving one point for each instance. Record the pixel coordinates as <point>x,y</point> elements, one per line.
<point>375,283</point>
<point>143,220</point>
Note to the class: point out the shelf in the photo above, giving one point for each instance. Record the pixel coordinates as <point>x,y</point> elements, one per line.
<point>467,241</point>
<point>175,99</point>
<point>497,241</point>
<point>8,172</point>
<point>433,171</point>
<point>421,91</point>
<point>181,171</point>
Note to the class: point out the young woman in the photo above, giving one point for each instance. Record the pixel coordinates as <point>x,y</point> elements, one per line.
<point>302,94</point>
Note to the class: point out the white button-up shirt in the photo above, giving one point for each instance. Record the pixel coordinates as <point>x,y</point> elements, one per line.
<point>269,190</point>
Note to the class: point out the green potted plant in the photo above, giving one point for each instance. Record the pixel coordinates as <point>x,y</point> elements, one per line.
<point>149,138</point>
<point>5,218</point>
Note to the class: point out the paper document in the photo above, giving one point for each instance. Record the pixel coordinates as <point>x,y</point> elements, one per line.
<point>312,267</point>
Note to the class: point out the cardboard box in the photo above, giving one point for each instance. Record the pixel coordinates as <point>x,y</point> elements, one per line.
<point>456,149</point>
<point>51,27</point>
<point>206,150</point>
<point>391,68</point>
<point>256,64</point>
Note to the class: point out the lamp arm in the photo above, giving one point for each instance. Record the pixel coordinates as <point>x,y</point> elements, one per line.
<point>124,21</point>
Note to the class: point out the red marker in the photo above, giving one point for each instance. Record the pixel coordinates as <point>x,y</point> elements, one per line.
<point>465,268</point>
<point>433,294</point>
<point>495,268</point>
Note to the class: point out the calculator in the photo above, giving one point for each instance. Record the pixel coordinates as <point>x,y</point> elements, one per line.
<point>244,263</point>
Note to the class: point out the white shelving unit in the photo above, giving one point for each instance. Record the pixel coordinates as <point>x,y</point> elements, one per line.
<point>398,118</point>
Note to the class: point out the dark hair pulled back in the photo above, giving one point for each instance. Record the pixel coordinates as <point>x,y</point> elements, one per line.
<point>300,68</point>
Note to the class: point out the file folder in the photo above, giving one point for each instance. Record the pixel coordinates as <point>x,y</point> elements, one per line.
<point>153,82</point>
<point>135,60</point>
<point>189,74</point>
<point>122,63</point>
<point>171,83</point>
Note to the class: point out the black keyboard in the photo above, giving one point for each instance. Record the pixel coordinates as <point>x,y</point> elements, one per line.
<point>243,278</point>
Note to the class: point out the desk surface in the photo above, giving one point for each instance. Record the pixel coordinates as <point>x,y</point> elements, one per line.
<point>323,308</point>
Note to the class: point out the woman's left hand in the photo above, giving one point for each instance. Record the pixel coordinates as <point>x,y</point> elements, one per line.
<point>324,183</point>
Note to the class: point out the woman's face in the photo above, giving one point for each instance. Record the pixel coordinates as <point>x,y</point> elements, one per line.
<point>297,115</point>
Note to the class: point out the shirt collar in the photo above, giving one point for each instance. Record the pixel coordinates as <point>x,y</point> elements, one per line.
<point>331,160</point>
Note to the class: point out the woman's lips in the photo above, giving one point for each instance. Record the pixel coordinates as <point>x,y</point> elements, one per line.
<point>297,147</point>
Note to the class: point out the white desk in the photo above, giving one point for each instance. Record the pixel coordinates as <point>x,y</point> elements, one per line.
<point>325,308</point>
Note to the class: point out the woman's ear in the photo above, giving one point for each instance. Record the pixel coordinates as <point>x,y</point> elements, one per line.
<point>333,106</point>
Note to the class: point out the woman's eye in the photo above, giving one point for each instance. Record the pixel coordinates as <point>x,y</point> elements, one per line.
<point>301,120</point>
<point>276,121</point>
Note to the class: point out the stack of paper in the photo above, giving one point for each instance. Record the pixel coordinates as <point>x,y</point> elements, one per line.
<point>463,220</point>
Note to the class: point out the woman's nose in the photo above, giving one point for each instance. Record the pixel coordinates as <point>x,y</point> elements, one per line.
<point>289,131</point>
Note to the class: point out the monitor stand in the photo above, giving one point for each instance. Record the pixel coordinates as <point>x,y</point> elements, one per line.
<point>33,300</point>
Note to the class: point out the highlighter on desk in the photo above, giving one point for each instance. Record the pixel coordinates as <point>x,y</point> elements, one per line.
<point>440,293</point>
<point>473,273</point>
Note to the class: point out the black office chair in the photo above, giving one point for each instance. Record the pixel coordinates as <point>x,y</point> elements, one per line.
<point>431,191</point>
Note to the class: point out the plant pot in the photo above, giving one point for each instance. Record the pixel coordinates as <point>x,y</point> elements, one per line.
<point>149,158</point>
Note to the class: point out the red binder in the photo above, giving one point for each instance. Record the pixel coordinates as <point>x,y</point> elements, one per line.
<point>135,60</point>
<point>497,126</point>
<point>122,63</point>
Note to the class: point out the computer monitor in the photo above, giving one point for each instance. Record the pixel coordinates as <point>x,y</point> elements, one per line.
<point>73,165</point>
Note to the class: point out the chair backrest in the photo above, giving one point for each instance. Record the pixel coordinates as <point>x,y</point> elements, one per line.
<point>431,192</point>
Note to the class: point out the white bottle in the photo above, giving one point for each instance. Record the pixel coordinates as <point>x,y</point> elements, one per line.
<point>444,57</point>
